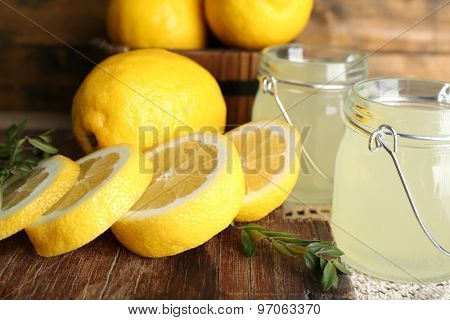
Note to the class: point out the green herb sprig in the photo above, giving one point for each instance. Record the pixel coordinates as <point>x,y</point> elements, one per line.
<point>321,257</point>
<point>20,154</point>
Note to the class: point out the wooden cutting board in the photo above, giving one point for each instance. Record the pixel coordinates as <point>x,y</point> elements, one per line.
<point>104,269</point>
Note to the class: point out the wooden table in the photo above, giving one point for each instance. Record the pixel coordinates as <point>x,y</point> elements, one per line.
<point>104,269</point>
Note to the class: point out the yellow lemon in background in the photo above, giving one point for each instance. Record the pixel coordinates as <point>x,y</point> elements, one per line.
<point>255,24</point>
<point>145,97</point>
<point>171,24</point>
<point>197,190</point>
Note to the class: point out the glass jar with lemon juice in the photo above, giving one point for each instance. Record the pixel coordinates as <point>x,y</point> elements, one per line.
<point>311,83</point>
<point>391,204</point>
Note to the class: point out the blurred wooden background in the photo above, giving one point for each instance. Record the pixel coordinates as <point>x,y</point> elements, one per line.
<point>39,73</point>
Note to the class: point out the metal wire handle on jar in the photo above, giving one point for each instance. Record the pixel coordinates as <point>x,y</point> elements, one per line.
<point>269,85</point>
<point>376,143</point>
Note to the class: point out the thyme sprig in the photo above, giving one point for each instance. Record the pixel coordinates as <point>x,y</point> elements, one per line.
<point>20,154</point>
<point>320,257</point>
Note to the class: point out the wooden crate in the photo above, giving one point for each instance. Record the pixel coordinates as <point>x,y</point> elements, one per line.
<point>40,74</point>
<point>235,70</point>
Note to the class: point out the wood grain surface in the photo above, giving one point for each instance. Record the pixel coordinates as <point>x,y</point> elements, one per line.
<point>103,269</point>
<point>371,24</point>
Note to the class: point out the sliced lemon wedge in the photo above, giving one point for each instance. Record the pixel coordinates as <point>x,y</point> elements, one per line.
<point>110,182</point>
<point>268,151</point>
<point>196,192</point>
<point>27,198</point>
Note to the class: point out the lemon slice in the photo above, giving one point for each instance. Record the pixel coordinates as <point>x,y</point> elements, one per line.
<point>196,192</point>
<point>268,152</point>
<point>110,182</point>
<point>28,197</point>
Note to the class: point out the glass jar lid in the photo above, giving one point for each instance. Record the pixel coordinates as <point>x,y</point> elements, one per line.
<point>314,66</point>
<point>418,109</point>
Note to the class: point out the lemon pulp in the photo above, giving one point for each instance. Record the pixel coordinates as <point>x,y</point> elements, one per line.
<point>92,173</point>
<point>178,171</point>
<point>27,198</point>
<point>196,192</point>
<point>269,159</point>
<point>22,188</point>
<point>262,156</point>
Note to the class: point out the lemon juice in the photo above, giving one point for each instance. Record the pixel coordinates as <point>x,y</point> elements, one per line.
<point>373,222</point>
<point>312,84</point>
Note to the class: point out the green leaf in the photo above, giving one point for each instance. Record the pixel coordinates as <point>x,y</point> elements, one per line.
<point>319,256</point>
<point>295,241</point>
<point>11,133</point>
<point>247,243</point>
<point>46,139</point>
<point>317,246</point>
<point>15,131</point>
<point>288,239</point>
<point>329,276</point>
<point>342,268</point>
<point>256,236</point>
<point>331,251</point>
<point>273,234</point>
<point>323,263</point>
<point>20,157</point>
<point>253,226</point>
<point>335,283</point>
<point>33,161</point>
<point>47,133</point>
<point>46,136</point>
<point>281,248</point>
<point>312,263</point>
<point>297,250</point>
<point>17,149</point>
<point>42,145</point>
<point>4,152</point>
<point>21,128</point>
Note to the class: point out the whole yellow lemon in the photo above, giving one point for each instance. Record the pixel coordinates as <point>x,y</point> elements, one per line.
<point>171,24</point>
<point>145,97</point>
<point>255,24</point>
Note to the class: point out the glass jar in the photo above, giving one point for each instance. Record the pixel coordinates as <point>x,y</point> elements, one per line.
<point>374,221</point>
<point>312,83</point>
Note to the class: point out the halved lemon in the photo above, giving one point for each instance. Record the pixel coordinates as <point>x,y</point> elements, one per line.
<point>27,198</point>
<point>196,192</point>
<point>110,182</point>
<point>268,151</point>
